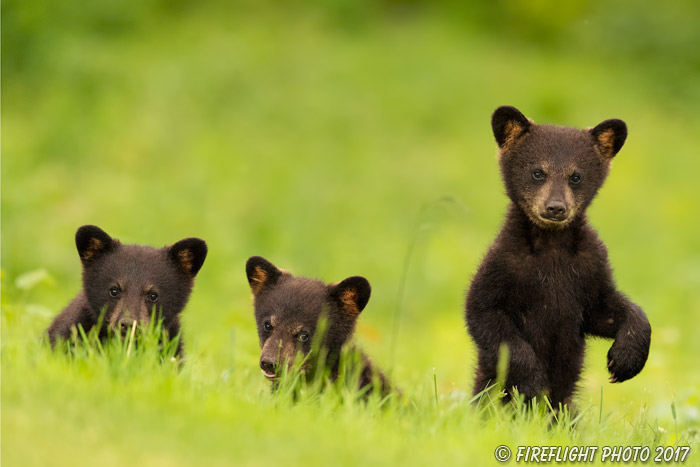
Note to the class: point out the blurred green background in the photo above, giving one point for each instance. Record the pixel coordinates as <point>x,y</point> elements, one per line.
<point>334,138</point>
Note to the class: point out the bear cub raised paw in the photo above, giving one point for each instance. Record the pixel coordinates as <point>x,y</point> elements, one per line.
<point>288,310</point>
<point>127,282</point>
<point>546,283</point>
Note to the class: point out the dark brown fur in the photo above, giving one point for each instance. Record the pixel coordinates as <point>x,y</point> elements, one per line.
<point>545,283</point>
<point>141,277</point>
<point>287,312</point>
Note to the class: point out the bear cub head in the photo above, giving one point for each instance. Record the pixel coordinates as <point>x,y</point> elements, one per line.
<point>288,309</point>
<point>552,173</point>
<point>129,282</point>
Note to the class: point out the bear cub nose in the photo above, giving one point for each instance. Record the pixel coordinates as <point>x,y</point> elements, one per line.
<point>124,324</point>
<point>555,210</point>
<point>267,365</point>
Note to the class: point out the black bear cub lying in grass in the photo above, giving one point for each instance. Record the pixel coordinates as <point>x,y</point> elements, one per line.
<point>127,282</point>
<point>546,284</point>
<point>288,310</point>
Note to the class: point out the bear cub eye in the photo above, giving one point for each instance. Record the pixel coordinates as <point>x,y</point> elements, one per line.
<point>153,297</point>
<point>113,292</point>
<point>538,175</point>
<point>303,337</point>
<point>575,179</point>
<point>267,326</point>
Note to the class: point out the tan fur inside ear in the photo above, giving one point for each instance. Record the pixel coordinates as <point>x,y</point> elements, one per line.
<point>606,143</point>
<point>93,249</point>
<point>349,299</point>
<point>257,280</point>
<point>513,131</point>
<point>185,257</point>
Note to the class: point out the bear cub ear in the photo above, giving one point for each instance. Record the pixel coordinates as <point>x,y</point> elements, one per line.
<point>351,295</point>
<point>189,255</point>
<point>508,125</point>
<point>609,136</point>
<point>261,273</point>
<point>93,242</point>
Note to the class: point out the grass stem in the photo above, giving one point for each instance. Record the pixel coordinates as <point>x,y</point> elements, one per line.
<point>131,339</point>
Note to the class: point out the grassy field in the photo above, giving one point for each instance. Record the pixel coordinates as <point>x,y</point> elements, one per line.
<point>333,142</point>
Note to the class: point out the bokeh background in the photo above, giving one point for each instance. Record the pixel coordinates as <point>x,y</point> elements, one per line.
<point>334,138</point>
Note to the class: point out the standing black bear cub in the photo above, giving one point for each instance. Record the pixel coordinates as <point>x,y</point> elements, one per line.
<point>288,309</point>
<point>546,282</point>
<point>126,283</point>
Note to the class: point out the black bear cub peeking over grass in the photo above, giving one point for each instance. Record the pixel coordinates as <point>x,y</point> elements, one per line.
<point>288,310</point>
<point>545,283</point>
<point>128,282</point>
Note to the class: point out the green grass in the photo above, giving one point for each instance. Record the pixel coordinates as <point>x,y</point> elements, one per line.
<point>332,149</point>
<point>132,404</point>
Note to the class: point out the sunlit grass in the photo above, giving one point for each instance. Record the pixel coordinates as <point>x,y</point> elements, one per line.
<point>128,400</point>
